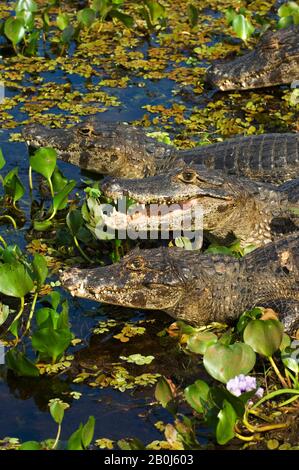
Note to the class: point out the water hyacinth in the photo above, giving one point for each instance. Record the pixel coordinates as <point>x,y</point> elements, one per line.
<point>244,383</point>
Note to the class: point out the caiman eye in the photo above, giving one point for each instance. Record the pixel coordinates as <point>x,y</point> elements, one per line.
<point>85,130</point>
<point>188,176</point>
<point>136,264</point>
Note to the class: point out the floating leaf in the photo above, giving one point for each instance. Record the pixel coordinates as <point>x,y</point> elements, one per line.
<point>227,420</point>
<point>197,395</point>
<point>264,336</point>
<point>15,280</point>
<point>43,161</point>
<point>224,362</point>
<point>14,30</point>
<point>163,392</point>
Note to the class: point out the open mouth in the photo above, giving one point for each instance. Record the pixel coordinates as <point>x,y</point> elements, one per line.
<point>154,216</point>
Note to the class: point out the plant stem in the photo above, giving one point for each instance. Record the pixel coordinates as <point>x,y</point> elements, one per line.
<point>287,402</point>
<point>57,437</point>
<point>276,370</point>
<point>81,251</point>
<point>51,187</point>
<point>3,242</point>
<point>10,219</point>
<point>30,178</point>
<point>276,393</point>
<point>244,438</point>
<point>31,312</point>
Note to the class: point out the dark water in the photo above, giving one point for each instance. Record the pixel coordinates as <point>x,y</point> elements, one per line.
<point>24,412</point>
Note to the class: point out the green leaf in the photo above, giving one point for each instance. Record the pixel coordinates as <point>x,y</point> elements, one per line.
<point>60,199</point>
<point>75,441</point>
<point>197,395</point>
<point>2,159</point>
<point>225,427</point>
<point>13,186</point>
<point>242,27</point>
<point>156,10</point>
<point>15,280</point>
<point>74,221</point>
<point>40,269</point>
<point>127,20</point>
<point>193,14</point>
<point>230,15</point>
<point>43,161</point>
<point>31,445</point>
<point>51,342</point>
<point>88,432</point>
<point>57,411</point>
<point>163,393</point>
<point>264,336</point>
<point>42,226</point>
<point>199,342</point>
<point>58,180</point>
<point>27,5</point>
<point>223,362</point>
<point>62,21</point>
<point>67,34</point>
<point>14,30</point>
<point>86,16</point>
<point>20,364</point>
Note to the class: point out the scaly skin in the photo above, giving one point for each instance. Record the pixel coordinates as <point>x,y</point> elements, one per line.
<point>104,147</point>
<point>125,151</point>
<point>232,207</point>
<point>274,61</point>
<point>198,288</point>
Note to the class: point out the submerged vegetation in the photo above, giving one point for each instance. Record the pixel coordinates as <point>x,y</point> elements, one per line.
<point>59,64</point>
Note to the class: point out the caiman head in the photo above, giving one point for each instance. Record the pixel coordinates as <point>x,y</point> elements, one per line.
<point>229,205</point>
<point>175,281</point>
<point>112,148</point>
<point>274,61</point>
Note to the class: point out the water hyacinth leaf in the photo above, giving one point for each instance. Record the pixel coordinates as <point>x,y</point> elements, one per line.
<point>197,395</point>
<point>2,159</point>
<point>156,10</point>
<point>31,445</point>
<point>43,161</point>
<point>40,269</point>
<point>62,21</point>
<point>13,186</point>
<point>60,199</point>
<point>242,27</point>
<point>74,221</point>
<point>51,342</point>
<point>264,336</point>
<point>163,393</point>
<point>20,364</point>
<point>47,317</point>
<point>15,280</point>
<point>57,411</point>
<point>88,432</point>
<point>86,16</point>
<point>58,180</point>
<point>193,14</point>
<point>14,30</point>
<point>27,5</point>
<point>53,298</point>
<point>290,357</point>
<point>230,14</point>
<point>26,18</point>
<point>199,342</point>
<point>223,362</point>
<point>226,424</point>
<point>42,226</point>
<point>4,312</point>
<point>67,34</point>
<point>75,441</point>
<point>127,20</point>
<point>218,395</point>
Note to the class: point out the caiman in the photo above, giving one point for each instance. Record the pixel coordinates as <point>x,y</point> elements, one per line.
<point>274,61</point>
<point>126,151</point>
<point>198,288</point>
<point>232,207</point>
